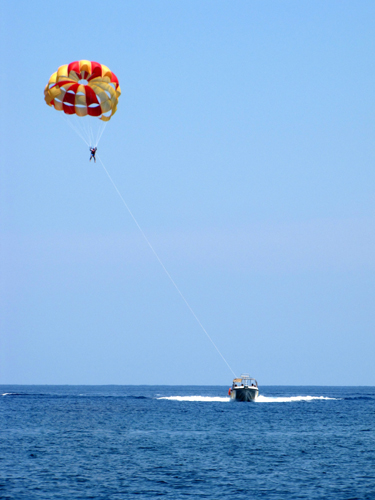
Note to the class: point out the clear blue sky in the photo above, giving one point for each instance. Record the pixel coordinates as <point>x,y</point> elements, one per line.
<point>243,144</point>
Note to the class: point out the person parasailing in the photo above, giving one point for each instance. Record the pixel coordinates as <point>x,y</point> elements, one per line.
<point>93,151</point>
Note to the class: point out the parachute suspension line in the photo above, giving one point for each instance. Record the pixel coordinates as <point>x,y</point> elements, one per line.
<point>86,125</point>
<point>76,130</point>
<point>85,129</point>
<point>92,141</point>
<point>162,265</point>
<point>100,133</point>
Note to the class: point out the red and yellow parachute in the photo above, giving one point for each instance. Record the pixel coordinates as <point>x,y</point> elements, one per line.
<point>84,88</point>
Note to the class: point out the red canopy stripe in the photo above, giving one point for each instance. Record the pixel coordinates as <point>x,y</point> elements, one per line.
<point>96,70</point>
<point>114,79</point>
<point>74,66</point>
<point>95,111</point>
<point>90,96</point>
<point>70,98</point>
<point>69,110</point>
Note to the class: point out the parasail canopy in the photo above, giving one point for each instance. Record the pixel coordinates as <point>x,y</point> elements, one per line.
<point>84,88</point>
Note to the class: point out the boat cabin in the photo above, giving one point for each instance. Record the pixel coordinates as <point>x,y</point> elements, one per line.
<point>244,382</point>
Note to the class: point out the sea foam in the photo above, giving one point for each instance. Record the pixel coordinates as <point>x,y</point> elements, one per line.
<point>203,399</point>
<point>260,399</point>
<point>290,399</point>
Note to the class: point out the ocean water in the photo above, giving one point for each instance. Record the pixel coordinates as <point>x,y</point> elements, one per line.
<point>122,442</point>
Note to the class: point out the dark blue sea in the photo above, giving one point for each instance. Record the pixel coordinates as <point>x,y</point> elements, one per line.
<point>122,442</point>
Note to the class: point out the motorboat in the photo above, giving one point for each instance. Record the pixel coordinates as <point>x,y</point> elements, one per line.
<point>244,388</point>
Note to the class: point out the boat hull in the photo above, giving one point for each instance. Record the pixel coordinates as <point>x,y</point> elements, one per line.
<point>244,394</point>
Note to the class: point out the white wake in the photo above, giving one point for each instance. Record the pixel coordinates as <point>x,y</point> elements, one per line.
<point>260,399</point>
<point>290,399</point>
<point>203,399</point>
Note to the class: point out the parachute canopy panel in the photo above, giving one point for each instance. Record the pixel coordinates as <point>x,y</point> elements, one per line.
<point>84,88</point>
